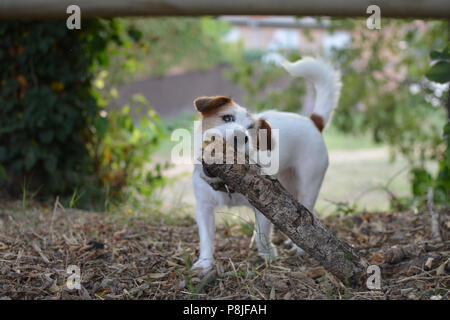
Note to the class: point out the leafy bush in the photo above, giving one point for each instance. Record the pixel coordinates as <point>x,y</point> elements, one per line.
<point>56,138</point>
<point>121,152</point>
<point>48,107</point>
<point>421,178</point>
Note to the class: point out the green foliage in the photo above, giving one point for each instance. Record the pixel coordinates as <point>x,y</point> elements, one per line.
<point>48,106</point>
<point>156,45</point>
<point>421,178</point>
<point>123,151</point>
<point>55,84</point>
<point>385,93</point>
<point>345,208</point>
<point>254,76</point>
<point>3,174</point>
<point>52,121</point>
<point>440,71</point>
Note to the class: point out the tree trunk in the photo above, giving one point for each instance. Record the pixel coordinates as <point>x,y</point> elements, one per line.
<point>268,196</point>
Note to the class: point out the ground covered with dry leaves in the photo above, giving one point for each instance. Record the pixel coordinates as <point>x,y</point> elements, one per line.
<point>147,257</point>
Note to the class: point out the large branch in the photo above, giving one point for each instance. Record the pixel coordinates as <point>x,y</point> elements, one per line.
<point>44,9</point>
<point>268,196</point>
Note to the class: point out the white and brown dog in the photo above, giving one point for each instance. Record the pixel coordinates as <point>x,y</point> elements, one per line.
<point>303,156</point>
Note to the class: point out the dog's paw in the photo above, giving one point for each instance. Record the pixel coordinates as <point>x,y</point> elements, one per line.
<point>202,266</point>
<point>295,249</point>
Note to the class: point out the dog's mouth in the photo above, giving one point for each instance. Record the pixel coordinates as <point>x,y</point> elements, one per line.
<point>207,173</point>
<point>219,185</point>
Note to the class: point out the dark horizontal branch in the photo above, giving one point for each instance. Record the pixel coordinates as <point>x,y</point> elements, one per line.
<point>45,9</point>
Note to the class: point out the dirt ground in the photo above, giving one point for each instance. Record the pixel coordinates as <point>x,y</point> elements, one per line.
<point>131,256</point>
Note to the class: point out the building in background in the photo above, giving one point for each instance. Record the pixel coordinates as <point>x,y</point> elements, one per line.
<point>273,33</point>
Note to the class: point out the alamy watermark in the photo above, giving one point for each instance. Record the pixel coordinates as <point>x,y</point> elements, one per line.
<point>208,146</point>
<point>373,281</point>
<point>74,279</point>
<point>74,20</point>
<point>374,20</point>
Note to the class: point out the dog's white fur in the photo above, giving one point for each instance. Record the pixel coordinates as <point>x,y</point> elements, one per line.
<point>303,158</point>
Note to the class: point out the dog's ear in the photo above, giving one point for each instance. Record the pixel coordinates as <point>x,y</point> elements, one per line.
<point>205,104</point>
<point>263,131</point>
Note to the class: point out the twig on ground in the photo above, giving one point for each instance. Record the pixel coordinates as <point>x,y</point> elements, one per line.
<point>39,251</point>
<point>53,215</point>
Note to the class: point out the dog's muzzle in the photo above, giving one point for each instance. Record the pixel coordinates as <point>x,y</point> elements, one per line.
<point>219,185</point>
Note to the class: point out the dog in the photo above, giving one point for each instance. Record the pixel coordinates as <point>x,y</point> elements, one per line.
<point>303,156</point>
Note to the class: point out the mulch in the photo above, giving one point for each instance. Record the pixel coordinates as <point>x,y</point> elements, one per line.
<point>131,256</point>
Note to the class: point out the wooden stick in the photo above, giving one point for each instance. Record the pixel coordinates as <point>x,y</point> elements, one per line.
<point>268,196</point>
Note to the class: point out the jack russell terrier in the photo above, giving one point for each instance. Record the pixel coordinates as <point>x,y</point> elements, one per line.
<point>303,156</point>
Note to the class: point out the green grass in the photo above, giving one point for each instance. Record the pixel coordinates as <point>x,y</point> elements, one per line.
<point>183,121</point>
<point>336,140</point>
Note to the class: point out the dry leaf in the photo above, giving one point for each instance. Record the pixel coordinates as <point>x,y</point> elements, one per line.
<point>377,258</point>
<point>316,272</point>
<point>441,269</point>
<point>429,263</point>
<point>156,275</point>
<point>272,294</point>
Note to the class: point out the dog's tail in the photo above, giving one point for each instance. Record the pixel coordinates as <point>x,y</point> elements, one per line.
<point>327,84</point>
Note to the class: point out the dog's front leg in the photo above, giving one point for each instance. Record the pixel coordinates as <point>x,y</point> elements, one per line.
<point>206,228</point>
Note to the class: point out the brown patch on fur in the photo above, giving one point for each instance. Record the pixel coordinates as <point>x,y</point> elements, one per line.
<point>207,104</point>
<point>211,109</point>
<point>318,121</point>
<point>263,124</point>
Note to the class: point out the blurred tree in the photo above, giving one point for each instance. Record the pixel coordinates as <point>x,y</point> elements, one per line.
<point>256,79</point>
<point>163,43</point>
<point>385,91</point>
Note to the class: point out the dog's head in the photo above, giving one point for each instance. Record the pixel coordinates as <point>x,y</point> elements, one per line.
<point>233,122</point>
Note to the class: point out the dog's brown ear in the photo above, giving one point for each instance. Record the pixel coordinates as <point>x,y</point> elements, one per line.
<point>204,104</point>
<point>266,134</point>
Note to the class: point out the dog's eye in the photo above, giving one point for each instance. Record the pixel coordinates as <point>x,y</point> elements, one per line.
<point>228,118</point>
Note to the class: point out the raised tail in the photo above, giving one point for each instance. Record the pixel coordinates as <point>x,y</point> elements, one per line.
<point>327,83</point>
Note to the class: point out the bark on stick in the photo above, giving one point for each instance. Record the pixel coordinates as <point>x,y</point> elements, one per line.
<point>268,195</point>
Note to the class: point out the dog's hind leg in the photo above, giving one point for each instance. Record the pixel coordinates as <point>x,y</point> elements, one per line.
<point>308,186</point>
<point>308,180</point>
<point>263,226</point>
